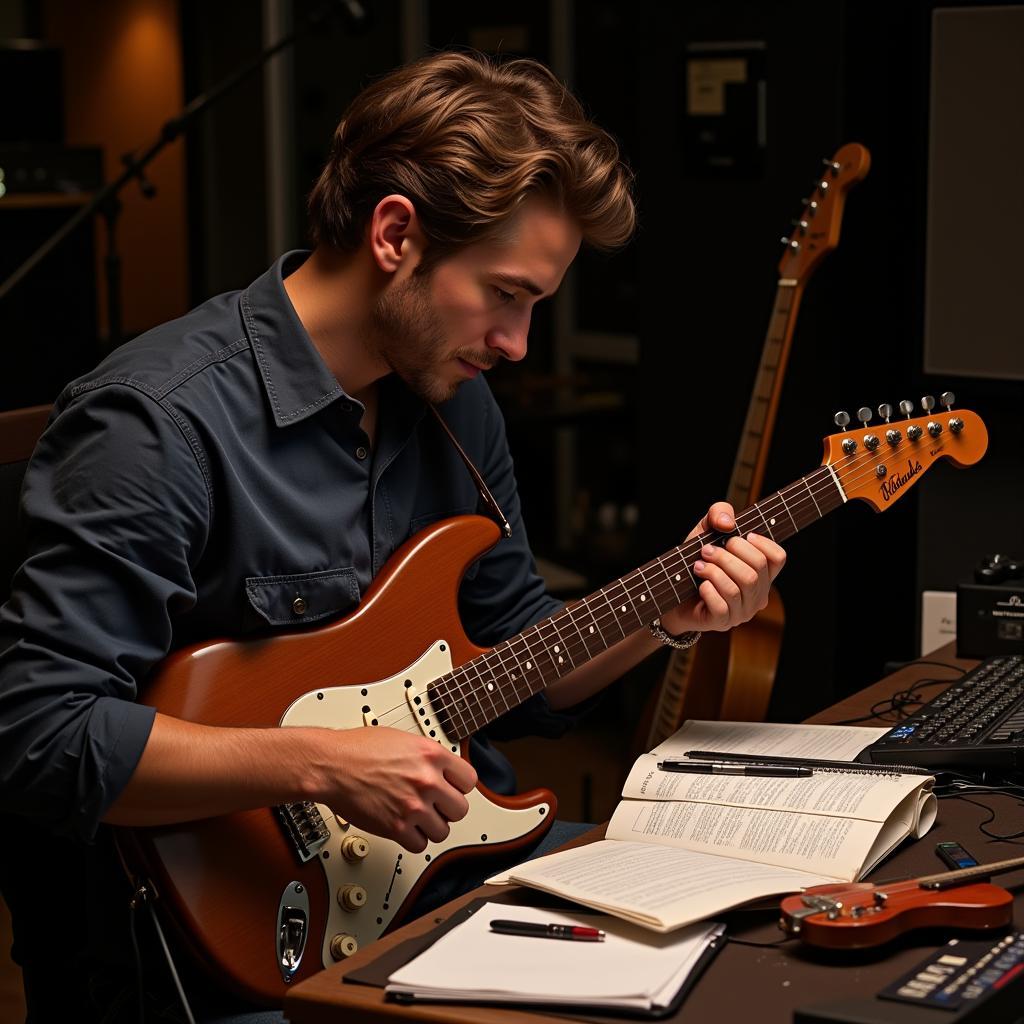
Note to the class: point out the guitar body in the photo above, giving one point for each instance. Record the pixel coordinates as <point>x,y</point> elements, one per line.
<point>859,919</point>
<point>232,884</point>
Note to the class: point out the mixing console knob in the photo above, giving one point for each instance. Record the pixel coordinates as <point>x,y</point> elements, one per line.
<point>354,847</point>
<point>352,897</point>
<point>344,946</point>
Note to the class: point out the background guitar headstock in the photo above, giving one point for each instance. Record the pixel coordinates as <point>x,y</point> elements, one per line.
<point>816,230</point>
<point>880,463</point>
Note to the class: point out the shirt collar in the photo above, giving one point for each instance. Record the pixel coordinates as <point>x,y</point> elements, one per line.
<point>295,377</point>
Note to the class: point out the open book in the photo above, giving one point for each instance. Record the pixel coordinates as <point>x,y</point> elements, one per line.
<point>682,847</point>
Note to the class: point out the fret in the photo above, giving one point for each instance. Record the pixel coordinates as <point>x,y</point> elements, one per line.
<point>622,607</point>
<point>615,617</point>
<point>528,663</point>
<point>592,629</point>
<point>671,583</point>
<point>796,529</point>
<point>486,686</point>
<point>553,647</point>
<point>811,493</point>
<point>517,677</point>
<point>457,702</point>
<point>648,600</point>
<point>763,520</point>
<point>495,659</point>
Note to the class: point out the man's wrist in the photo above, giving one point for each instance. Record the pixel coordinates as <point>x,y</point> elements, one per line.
<point>679,641</point>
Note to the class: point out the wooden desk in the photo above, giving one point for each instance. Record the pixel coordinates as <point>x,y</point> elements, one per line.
<point>743,983</point>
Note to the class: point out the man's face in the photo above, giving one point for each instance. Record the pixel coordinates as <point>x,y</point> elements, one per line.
<point>442,328</point>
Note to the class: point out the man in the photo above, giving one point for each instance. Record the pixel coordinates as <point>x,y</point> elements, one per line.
<point>250,467</point>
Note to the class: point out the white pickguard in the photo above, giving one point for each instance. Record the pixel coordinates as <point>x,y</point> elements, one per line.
<point>389,872</point>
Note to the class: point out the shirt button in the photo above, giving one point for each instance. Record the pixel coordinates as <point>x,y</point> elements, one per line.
<point>361,452</point>
<point>299,606</point>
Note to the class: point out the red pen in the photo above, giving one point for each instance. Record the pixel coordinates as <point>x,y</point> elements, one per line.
<point>574,932</point>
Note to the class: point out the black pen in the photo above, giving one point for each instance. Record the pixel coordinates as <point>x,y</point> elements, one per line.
<point>759,770</point>
<point>573,932</point>
<point>808,762</point>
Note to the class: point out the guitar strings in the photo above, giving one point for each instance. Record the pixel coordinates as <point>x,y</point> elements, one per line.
<point>850,474</point>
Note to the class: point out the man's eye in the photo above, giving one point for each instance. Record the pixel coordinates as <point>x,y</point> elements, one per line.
<point>503,295</point>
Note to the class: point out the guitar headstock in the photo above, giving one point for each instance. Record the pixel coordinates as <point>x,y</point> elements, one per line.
<point>816,230</point>
<point>880,463</point>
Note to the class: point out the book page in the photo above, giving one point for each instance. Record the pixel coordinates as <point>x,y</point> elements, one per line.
<point>836,847</point>
<point>828,742</point>
<point>839,794</point>
<point>661,887</point>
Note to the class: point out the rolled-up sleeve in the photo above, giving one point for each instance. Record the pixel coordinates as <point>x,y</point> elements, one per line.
<point>117,510</point>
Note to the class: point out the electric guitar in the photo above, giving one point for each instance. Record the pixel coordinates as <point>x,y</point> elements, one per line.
<point>270,896</point>
<point>731,675</point>
<point>860,915</point>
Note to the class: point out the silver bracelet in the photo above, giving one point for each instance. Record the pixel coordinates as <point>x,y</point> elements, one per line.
<point>683,642</point>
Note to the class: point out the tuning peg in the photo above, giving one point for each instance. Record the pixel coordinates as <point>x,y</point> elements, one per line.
<point>801,224</point>
<point>791,242</point>
<point>831,165</point>
<point>947,398</point>
<point>928,403</point>
<point>823,185</point>
<point>811,205</point>
<point>885,411</point>
<point>864,415</point>
<point>906,407</point>
<point>841,419</point>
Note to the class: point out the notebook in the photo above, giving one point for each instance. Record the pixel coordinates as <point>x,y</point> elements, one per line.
<point>632,971</point>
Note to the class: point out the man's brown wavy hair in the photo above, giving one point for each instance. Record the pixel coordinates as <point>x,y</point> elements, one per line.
<point>466,138</point>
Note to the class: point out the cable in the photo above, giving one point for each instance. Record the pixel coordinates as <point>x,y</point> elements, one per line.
<point>895,704</point>
<point>1011,837</point>
<point>762,945</point>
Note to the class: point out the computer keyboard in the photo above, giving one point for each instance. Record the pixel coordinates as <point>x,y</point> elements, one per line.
<point>977,723</point>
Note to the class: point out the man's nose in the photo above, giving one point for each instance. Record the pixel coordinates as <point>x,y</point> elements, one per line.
<point>510,340</point>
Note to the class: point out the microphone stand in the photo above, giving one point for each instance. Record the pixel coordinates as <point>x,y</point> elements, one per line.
<point>107,203</point>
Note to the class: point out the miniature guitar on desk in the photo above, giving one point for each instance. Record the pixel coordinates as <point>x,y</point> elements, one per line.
<point>861,914</point>
<point>270,896</point>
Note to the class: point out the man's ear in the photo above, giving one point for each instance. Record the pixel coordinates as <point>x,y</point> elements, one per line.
<point>395,238</point>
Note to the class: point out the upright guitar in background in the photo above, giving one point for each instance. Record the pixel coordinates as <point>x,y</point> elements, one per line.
<point>730,675</point>
<point>269,896</point>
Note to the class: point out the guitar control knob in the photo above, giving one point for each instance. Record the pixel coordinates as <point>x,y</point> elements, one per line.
<point>870,442</point>
<point>956,424</point>
<point>841,419</point>
<point>927,403</point>
<point>947,398</point>
<point>864,415</point>
<point>849,446</point>
<point>934,428</point>
<point>914,432</point>
<point>354,848</point>
<point>352,897</point>
<point>893,437</point>
<point>343,946</point>
<point>885,411</point>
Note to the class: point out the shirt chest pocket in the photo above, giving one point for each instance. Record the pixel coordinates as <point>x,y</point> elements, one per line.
<point>301,598</point>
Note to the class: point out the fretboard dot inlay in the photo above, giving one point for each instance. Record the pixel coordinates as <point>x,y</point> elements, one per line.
<point>771,522</point>
<point>560,659</point>
<point>643,597</point>
<point>623,608</point>
<point>591,629</point>
<point>490,686</point>
<point>529,665</point>
<point>557,648</point>
<point>678,577</point>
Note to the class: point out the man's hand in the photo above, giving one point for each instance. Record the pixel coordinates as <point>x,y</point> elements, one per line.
<point>395,784</point>
<point>735,578</point>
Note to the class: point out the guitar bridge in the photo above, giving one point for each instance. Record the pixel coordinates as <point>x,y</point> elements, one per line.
<point>305,827</point>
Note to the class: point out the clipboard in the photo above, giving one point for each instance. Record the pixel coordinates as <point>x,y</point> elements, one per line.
<point>377,973</point>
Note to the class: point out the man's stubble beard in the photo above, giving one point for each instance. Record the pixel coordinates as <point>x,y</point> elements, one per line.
<point>406,333</point>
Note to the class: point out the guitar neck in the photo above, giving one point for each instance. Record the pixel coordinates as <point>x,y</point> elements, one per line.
<point>949,879</point>
<point>485,687</point>
<point>755,441</point>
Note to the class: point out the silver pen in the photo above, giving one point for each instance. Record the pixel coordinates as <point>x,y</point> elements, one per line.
<point>759,770</point>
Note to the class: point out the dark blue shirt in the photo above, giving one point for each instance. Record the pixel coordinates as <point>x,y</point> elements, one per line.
<point>189,488</point>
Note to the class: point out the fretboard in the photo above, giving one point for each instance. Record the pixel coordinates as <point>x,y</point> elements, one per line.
<point>752,452</point>
<point>484,688</point>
